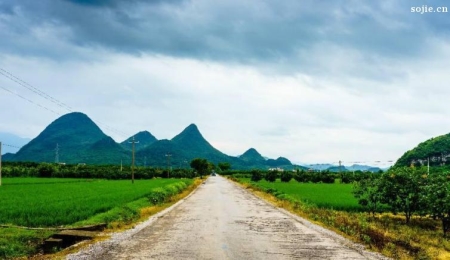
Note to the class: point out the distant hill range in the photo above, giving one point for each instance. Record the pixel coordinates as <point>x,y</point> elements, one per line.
<point>12,140</point>
<point>435,150</point>
<point>336,168</point>
<point>75,138</point>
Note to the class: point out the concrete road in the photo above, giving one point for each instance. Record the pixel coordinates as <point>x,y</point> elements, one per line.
<point>223,221</point>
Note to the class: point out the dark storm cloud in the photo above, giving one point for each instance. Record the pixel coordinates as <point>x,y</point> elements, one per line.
<point>240,31</point>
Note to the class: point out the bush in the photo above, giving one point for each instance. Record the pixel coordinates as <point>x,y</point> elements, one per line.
<point>286,176</point>
<point>256,176</point>
<point>271,176</point>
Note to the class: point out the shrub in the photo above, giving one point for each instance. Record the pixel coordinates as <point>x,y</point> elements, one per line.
<point>271,176</point>
<point>286,176</point>
<point>256,176</point>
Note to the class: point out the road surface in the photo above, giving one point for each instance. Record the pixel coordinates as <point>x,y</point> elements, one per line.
<point>220,220</point>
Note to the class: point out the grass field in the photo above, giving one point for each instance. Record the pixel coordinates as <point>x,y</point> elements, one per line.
<point>332,196</point>
<point>55,202</point>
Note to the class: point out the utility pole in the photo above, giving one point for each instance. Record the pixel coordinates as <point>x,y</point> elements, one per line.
<point>428,167</point>
<point>168,155</point>
<point>133,142</point>
<point>57,153</point>
<point>0,163</point>
<point>121,166</point>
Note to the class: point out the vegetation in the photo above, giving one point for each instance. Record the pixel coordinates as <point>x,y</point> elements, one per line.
<point>224,166</point>
<point>434,150</point>
<point>410,191</point>
<point>114,172</point>
<point>271,176</point>
<point>202,166</point>
<point>256,175</point>
<point>53,204</point>
<point>338,196</point>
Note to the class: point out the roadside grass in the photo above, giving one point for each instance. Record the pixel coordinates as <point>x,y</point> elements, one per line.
<point>49,205</point>
<point>384,233</point>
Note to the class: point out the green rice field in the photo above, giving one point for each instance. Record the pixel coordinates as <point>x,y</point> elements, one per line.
<point>41,202</point>
<point>333,196</point>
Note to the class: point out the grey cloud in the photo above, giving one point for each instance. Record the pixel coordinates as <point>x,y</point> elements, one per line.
<point>269,32</point>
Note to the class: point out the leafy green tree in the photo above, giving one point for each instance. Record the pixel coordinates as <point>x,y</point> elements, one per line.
<point>202,166</point>
<point>271,176</point>
<point>368,194</point>
<point>286,176</point>
<point>46,170</point>
<point>224,166</point>
<point>256,175</point>
<point>401,189</point>
<point>437,198</point>
<point>302,176</point>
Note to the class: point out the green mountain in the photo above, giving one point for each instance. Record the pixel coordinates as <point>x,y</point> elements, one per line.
<point>437,149</point>
<point>78,140</point>
<point>253,156</point>
<point>194,145</point>
<point>279,162</point>
<point>163,153</point>
<point>144,138</point>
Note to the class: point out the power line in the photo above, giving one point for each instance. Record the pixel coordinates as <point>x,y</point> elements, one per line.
<point>46,96</point>
<point>29,100</point>
<point>12,146</point>
<point>34,89</point>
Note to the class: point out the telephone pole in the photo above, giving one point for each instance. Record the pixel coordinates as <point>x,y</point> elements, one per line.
<point>168,155</point>
<point>0,163</point>
<point>133,142</point>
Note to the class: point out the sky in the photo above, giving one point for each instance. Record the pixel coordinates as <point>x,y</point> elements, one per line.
<point>311,80</point>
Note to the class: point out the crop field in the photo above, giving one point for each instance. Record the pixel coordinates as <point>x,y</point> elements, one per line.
<point>33,202</point>
<point>333,196</point>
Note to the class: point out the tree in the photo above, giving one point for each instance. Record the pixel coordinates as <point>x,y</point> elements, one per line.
<point>202,166</point>
<point>401,189</point>
<point>46,170</point>
<point>368,194</point>
<point>437,198</point>
<point>256,175</point>
<point>286,176</point>
<point>224,166</point>
<point>271,176</point>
